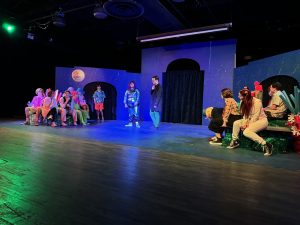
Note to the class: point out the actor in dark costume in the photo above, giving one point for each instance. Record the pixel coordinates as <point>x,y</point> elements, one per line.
<point>156,101</point>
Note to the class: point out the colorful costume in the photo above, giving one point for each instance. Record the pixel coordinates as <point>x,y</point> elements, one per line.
<point>132,100</point>
<point>99,97</point>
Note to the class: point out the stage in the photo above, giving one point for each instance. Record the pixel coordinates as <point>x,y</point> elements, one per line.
<point>106,173</point>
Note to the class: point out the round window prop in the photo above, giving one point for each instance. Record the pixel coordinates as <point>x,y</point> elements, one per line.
<point>78,75</point>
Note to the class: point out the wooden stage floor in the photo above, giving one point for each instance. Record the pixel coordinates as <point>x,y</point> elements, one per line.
<point>109,174</point>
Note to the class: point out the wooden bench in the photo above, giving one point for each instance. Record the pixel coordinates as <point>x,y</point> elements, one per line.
<point>280,129</point>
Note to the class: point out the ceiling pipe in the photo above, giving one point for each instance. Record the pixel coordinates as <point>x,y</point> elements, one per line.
<point>186,32</point>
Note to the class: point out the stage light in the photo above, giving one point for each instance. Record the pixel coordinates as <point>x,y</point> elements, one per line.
<point>58,19</point>
<point>184,33</point>
<point>99,12</point>
<point>8,27</point>
<point>30,36</point>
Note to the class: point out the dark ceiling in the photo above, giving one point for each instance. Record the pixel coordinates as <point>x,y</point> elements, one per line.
<point>262,28</point>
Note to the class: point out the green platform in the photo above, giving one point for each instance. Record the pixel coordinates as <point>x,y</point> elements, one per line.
<point>281,141</point>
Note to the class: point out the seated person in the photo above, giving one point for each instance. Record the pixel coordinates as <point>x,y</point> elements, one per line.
<point>276,107</point>
<point>83,106</point>
<point>49,107</point>
<point>224,118</point>
<point>66,104</point>
<point>34,107</point>
<point>254,120</point>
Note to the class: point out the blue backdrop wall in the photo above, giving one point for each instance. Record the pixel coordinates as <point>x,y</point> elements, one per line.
<point>215,58</point>
<point>283,64</point>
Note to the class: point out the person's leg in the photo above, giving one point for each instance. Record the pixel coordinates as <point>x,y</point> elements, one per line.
<point>85,115</point>
<point>98,113</point>
<point>63,116</point>
<point>251,133</point>
<point>215,125</point>
<point>53,113</point>
<point>38,111</point>
<point>130,116</point>
<point>236,129</point>
<point>152,115</point>
<point>102,117</point>
<point>157,119</point>
<point>27,116</point>
<point>235,134</point>
<point>80,116</point>
<point>136,116</point>
<point>74,115</point>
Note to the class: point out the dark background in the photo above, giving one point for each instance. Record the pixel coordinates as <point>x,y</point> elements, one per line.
<point>262,29</point>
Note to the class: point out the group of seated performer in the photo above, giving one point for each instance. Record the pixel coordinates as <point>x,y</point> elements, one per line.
<point>250,117</point>
<point>51,104</point>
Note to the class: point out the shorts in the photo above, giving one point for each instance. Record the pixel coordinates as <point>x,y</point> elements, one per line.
<point>99,106</point>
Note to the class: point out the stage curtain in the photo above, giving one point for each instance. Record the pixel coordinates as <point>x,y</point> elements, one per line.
<point>183,96</point>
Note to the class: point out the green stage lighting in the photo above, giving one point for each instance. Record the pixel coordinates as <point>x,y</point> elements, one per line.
<point>9,28</point>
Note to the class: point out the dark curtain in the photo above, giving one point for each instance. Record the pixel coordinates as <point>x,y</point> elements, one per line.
<point>183,96</point>
<point>110,101</point>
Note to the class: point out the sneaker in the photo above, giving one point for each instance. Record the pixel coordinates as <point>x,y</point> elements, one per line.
<point>128,125</point>
<point>268,148</point>
<point>217,141</point>
<point>53,124</point>
<point>63,124</point>
<point>26,123</point>
<point>137,125</point>
<point>212,138</point>
<point>233,144</point>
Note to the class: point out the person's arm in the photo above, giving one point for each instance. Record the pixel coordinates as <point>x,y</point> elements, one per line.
<point>62,103</point>
<point>31,104</point>
<point>125,99</point>
<point>72,103</point>
<point>104,96</point>
<point>158,97</point>
<point>256,110</point>
<point>226,111</point>
<point>53,103</point>
<point>274,103</point>
<point>137,97</point>
<point>94,97</point>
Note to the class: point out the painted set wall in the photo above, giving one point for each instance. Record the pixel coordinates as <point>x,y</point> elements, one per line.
<point>216,58</point>
<point>283,64</point>
<point>118,78</point>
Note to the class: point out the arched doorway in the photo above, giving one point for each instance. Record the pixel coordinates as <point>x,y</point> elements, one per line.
<point>183,92</point>
<point>287,82</point>
<point>110,101</point>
